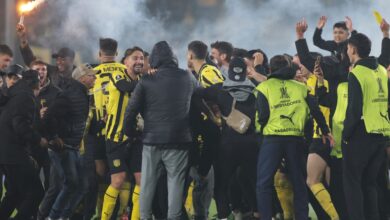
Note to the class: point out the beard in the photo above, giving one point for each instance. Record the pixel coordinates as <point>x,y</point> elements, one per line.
<point>137,69</point>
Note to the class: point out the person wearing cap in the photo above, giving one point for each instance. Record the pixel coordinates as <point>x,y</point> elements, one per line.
<point>59,73</point>
<point>17,136</point>
<point>236,151</point>
<point>283,106</point>
<point>65,123</point>
<point>12,75</point>
<point>204,128</point>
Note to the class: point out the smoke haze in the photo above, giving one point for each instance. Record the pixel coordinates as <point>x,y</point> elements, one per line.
<point>250,24</point>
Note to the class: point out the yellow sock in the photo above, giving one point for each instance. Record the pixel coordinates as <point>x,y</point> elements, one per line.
<point>188,203</point>
<point>323,197</point>
<point>101,191</point>
<point>135,214</point>
<point>124,196</point>
<point>285,194</point>
<point>109,202</point>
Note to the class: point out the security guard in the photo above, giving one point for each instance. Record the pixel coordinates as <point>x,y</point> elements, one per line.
<point>365,127</point>
<point>283,108</point>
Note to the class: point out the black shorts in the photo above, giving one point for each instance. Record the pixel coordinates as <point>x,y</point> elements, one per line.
<point>97,145</point>
<point>135,156</point>
<point>323,150</point>
<point>117,156</point>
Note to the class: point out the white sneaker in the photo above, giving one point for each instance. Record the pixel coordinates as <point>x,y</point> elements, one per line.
<point>237,215</point>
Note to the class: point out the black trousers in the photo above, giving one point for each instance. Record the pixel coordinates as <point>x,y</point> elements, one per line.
<point>384,191</point>
<point>363,157</point>
<point>1,184</point>
<point>24,191</point>
<point>336,190</point>
<point>236,151</point>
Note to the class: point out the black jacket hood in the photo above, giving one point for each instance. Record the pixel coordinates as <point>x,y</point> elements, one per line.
<point>285,73</point>
<point>369,62</point>
<point>162,55</point>
<point>20,87</point>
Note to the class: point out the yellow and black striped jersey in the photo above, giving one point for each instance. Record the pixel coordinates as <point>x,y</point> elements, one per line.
<point>311,83</point>
<point>209,75</point>
<point>100,92</point>
<point>117,104</point>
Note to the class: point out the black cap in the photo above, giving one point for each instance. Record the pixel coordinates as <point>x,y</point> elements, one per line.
<point>30,75</point>
<point>237,69</point>
<point>15,69</point>
<point>64,52</point>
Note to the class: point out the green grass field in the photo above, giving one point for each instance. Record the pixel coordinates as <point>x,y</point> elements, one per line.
<point>213,211</point>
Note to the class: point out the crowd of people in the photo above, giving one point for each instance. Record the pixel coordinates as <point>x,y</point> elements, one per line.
<point>140,138</point>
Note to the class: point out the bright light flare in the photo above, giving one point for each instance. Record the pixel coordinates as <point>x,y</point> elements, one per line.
<point>27,7</point>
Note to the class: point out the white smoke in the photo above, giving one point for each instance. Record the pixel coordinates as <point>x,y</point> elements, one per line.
<point>268,24</point>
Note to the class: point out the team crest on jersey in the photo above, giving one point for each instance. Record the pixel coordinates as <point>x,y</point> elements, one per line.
<point>116,162</point>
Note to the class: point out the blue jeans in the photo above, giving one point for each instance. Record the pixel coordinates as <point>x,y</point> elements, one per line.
<point>272,151</point>
<point>68,163</point>
<point>55,186</point>
<point>82,189</point>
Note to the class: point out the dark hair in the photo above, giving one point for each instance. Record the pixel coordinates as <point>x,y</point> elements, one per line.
<point>108,46</point>
<point>279,61</point>
<point>340,24</point>
<point>239,52</point>
<point>37,62</point>
<point>224,48</point>
<point>30,77</point>
<point>146,54</point>
<point>199,49</point>
<point>362,44</point>
<point>130,51</point>
<point>5,49</point>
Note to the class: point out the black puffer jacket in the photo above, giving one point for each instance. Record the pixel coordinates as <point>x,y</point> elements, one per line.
<point>163,100</point>
<point>67,115</point>
<point>16,125</point>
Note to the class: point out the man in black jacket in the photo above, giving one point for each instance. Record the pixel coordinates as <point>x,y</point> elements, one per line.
<point>52,183</point>
<point>163,99</point>
<point>336,68</point>
<point>66,121</point>
<point>17,135</point>
<point>341,32</point>
<point>365,126</point>
<point>236,150</point>
<point>61,72</point>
